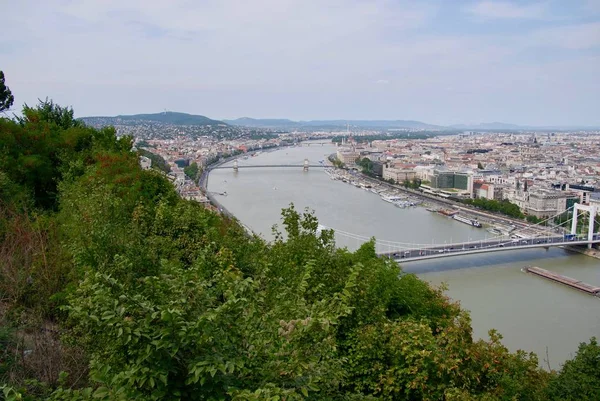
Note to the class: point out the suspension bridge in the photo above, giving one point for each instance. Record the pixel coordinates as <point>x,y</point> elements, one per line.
<point>237,165</point>
<point>577,230</point>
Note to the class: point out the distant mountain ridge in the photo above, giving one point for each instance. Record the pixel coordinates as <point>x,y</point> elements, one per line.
<point>263,122</point>
<point>286,123</point>
<point>168,117</point>
<point>494,125</point>
<point>177,118</point>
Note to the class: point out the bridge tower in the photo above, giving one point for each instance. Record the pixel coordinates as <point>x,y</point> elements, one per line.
<point>235,165</point>
<point>305,164</point>
<point>592,212</point>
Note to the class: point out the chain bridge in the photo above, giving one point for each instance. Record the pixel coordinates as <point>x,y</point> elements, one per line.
<point>247,163</point>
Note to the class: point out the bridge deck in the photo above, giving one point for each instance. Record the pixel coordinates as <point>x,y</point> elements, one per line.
<point>408,255</point>
<point>271,166</point>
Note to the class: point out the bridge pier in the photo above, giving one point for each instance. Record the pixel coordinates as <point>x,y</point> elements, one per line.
<point>592,215</point>
<point>305,164</point>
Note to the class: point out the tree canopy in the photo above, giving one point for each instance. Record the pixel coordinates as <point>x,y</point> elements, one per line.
<point>504,206</point>
<point>193,171</point>
<point>6,96</point>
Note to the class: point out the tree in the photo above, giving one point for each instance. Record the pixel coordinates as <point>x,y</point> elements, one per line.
<point>338,163</point>
<point>505,207</point>
<point>6,96</point>
<point>193,171</point>
<point>579,379</point>
<point>534,219</point>
<point>366,164</point>
<point>47,144</point>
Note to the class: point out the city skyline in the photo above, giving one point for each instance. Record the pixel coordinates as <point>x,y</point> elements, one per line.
<point>469,62</point>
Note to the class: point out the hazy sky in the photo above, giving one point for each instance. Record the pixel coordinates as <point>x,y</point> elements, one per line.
<point>442,62</point>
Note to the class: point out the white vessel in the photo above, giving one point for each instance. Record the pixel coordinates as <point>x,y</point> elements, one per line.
<point>470,222</point>
<point>391,199</point>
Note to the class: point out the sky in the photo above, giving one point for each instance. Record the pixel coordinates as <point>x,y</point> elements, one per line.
<point>437,61</point>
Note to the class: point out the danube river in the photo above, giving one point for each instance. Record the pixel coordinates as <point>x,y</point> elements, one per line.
<point>531,313</point>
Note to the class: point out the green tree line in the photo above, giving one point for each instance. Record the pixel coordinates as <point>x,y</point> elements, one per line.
<point>504,206</point>
<point>120,290</point>
<point>193,171</point>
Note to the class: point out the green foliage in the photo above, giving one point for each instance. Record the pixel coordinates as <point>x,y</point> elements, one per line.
<point>193,171</point>
<point>169,117</point>
<point>33,267</point>
<point>46,145</point>
<point>6,96</point>
<point>338,163</point>
<point>533,219</point>
<point>257,135</point>
<point>157,161</point>
<point>563,218</point>
<point>47,111</point>
<point>366,164</point>
<point>7,341</point>
<point>580,377</point>
<point>13,195</point>
<point>415,183</point>
<point>503,206</point>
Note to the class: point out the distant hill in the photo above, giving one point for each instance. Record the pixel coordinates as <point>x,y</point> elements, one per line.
<point>168,117</point>
<point>175,118</point>
<point>285,123</point>
<point>498,126</point>
<point>263,123</point>
<point>379,124</point>
<point>488,126</point>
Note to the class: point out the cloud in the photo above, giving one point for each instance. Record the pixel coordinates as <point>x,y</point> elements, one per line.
<point>507,10</point>
<point>300,59</point>
<point>572,37</point>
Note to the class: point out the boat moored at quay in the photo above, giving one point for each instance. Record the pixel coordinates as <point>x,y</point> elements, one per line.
<point>465,220</point>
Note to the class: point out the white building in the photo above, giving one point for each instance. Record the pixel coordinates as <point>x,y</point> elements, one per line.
<point>145,163</point>
<point>347,157</point>
<point>541,202</point>
<point>398,174</point>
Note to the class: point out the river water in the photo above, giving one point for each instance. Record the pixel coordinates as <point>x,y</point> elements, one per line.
<point>531,313</point>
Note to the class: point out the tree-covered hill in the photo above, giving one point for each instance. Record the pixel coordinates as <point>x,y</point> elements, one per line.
<point>168,117</point>
<point>114,288</point>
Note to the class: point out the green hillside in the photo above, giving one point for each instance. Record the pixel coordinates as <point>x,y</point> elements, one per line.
<point>168,117</point>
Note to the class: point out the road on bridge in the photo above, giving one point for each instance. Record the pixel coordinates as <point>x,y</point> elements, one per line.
<point>446,250</point>
<point>298,166</point>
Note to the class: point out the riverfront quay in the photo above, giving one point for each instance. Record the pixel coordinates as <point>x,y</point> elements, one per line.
<point>531,313</point>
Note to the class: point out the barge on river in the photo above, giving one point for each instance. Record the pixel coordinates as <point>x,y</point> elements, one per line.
<point>559,278</point>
